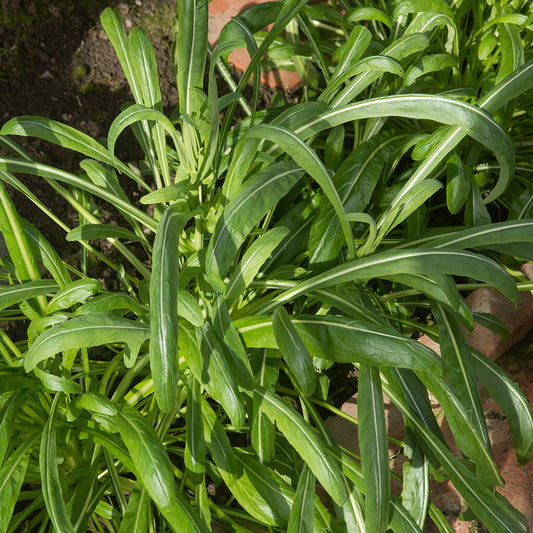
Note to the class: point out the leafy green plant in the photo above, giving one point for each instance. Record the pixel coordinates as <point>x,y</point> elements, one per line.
<point>262,252</point>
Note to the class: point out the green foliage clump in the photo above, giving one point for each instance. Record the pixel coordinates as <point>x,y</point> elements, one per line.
<point>262,252</point>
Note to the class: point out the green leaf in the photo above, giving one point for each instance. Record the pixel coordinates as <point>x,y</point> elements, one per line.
<point>352,51</point>
<point>493,510</point>
<point>83,332</point>
<point>38,169</point>
<point>164,284</point>
<point>15,294</point>
<point>511,401</point>
<point>324,465</point>
<point>473,120</point>
<point>293,351</point>
<point>117,35</point>
<point>355,181</point>
<point>259,194</point>
<point>12,476</point>
<point>459,367</point>
<point>265,364</point>
<point>89,232</point>
<point>145,69</point>
<point>112,301</point>
<point>214,371</point>
<point>56,384</point>
<point>372,432</point>
<point>18,247</point>
<point>303,509</point>
<point>400,49</point>
<point>415,489</point>
<point>166,194</point>
<point>511,49</point>
<point>50,483</point>
<point>46,254</point>
<point>368,13</point>
<point>137,516</point>
<point>306,158</point>
<point>469,440</point>
<point>262,491</point>
<point>191,50</point>
<point>429,261</point>
<point>138,113</point>
<point>252,261</point>
<point>189,308</point>
<point>429,64</point>
<point>74,293</point>
<point>347,341</point>
<point>486,235</point>
<point>62,135</point>
<point>8,411</point>
<point>195,450</point>
<point>457,184</point>
<point>153,468</point>
<point>219,446</point>
<point>95,402</point>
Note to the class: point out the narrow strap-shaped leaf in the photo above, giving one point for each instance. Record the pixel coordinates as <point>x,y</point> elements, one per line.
<point>117,35</point>
<point>89,232</point>
<point>302,512</point>
<point>440,288</point>
<point>468,439</point>
<point>473,120</point>
<point>143,56</point>
<point>355,46</point>
<point>252,261</point>
<point>15,294</point>
<point>237,356</point>
<point>343,340</point>
<point>459,369</point>
<point>17,245</point>
<point>494,511</point>
<point>258,196</point>
<point>265,364</point>
<point>415,488</point>
<point>50,483</point>
<point>294,351</point>
<point>164,285</point>
<point>430,261</point>
<point>62,135</point>
<point>324,465</point>
<point>83,332</point>
<point>12,476</point>
<point>511,400</point>
<point>511,87</point>
<point>194,432</point>
<point>8,412</point>
<point>147,452</point>
<point>405,46</point>
<point>215,373</point>
<point>74,293</point>
<point>219,446</point>
<point>137,516</point>
<point>355,180</point>
<point>307,158</point>
<point>372,433</point>
<point>38,169</point>
<point>191,50</point>
<point>138,113</point>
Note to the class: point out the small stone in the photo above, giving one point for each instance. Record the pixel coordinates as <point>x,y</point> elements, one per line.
<point>66,117</point>
<point>47,75</point>
<point>128,24</point>
<point>138,3</point>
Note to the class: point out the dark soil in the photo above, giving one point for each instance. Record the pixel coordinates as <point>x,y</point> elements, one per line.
<point>57,62</point>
